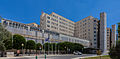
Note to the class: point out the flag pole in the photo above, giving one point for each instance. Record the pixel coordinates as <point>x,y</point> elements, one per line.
<point>55,47</point>
<point>52,47</point>
<point>48,47</point>
<point>44,40</point>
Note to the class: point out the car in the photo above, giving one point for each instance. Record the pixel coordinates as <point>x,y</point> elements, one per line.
<point>77,53</point>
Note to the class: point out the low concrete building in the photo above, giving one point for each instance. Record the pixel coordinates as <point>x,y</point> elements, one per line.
<point>39,35</point>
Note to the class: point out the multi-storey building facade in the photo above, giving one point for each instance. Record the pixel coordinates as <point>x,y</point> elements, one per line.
<point>103,33</point>
<point>89,31</point>
<point>57,23</point>
<point>87,28</point>
<point>108,38</point>
<point>113,36</point>
<point>33,32</point>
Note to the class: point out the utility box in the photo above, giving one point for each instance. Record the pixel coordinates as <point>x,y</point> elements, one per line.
<point>10,54</point>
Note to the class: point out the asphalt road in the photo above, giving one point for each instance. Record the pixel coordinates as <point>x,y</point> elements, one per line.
<point>54,57</point>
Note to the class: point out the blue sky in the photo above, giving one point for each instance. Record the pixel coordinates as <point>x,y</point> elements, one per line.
<point>28,11</point>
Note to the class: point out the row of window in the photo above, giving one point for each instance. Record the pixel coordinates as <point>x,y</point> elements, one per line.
<point>73,40</point>
<point>54,23</point>
<point>21,26</point>
<point>59,18</point>
<point>52,19</point>
<point>65,24</point>
<point>52,27</point>
<point>66,31</point>
<point>83,21</point>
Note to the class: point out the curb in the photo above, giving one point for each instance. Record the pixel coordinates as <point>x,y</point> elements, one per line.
<point>84,57</point>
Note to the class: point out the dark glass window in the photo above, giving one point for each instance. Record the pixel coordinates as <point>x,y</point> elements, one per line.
<point>94,27</point>
<point>94,31</point>
<point>48,17</point>
<point>48,25</point>
<point>94,20</point>
<point>94,35</point>
<point>88,29</point>
<point>48,21</point>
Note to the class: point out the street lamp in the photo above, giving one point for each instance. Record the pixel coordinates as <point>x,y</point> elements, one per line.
<point>65,49</point>
<point>69,51</point>
<point>22,48</point>
<point>40,49</point>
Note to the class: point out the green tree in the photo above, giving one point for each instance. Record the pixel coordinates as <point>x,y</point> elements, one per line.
<point>2,47</point>
<point>45,46</point>
<point>77,47</point>
<point>30,45</point>
<point>119,30</point>
<point>8,44</point>
<point>4,36</point>
<point>53,46</point>
<point>38,46</point>
<point>115,51</point>
<point>18,40</point>
<point>69,47</point>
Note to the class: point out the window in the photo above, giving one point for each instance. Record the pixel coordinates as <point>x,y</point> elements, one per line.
<point>94,24</point>
<point>48,17</point>
<point>94,35</point>
<point>94,20</point>
<point>88,29</point>
<point>88,25</point>
<point>48,25</point>
<point>94,39</point>
<point>80,22</point>
<point>55,16</point>
<point>60,18</point>
<point>83,24</point>
<point>54,19</point>
<point>48,21</point>
<point>94,31</point>
<point>94,27</point>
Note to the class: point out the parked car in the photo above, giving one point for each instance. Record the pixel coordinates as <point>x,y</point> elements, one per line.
<point>77,53</point>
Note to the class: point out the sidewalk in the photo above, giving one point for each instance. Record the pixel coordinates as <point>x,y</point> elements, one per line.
<point>85,57</point>
<point>33,55</point>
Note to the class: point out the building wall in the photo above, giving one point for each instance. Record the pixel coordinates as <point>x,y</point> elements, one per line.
<point>74,40</point>
<point>103,33</point>
<point>113,37</point>
<point>36,34</point>
<point>87,29</point>
<point>57,23</point>
<point>108,38</point>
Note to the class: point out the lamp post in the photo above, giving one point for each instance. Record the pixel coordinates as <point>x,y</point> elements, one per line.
<point>65,48</point>
<point>40,49</point>
<point>22,48</point>
<point>36,42</point>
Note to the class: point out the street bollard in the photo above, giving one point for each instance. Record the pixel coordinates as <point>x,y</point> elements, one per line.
<point>45,56</point>
<point>36,56</point>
